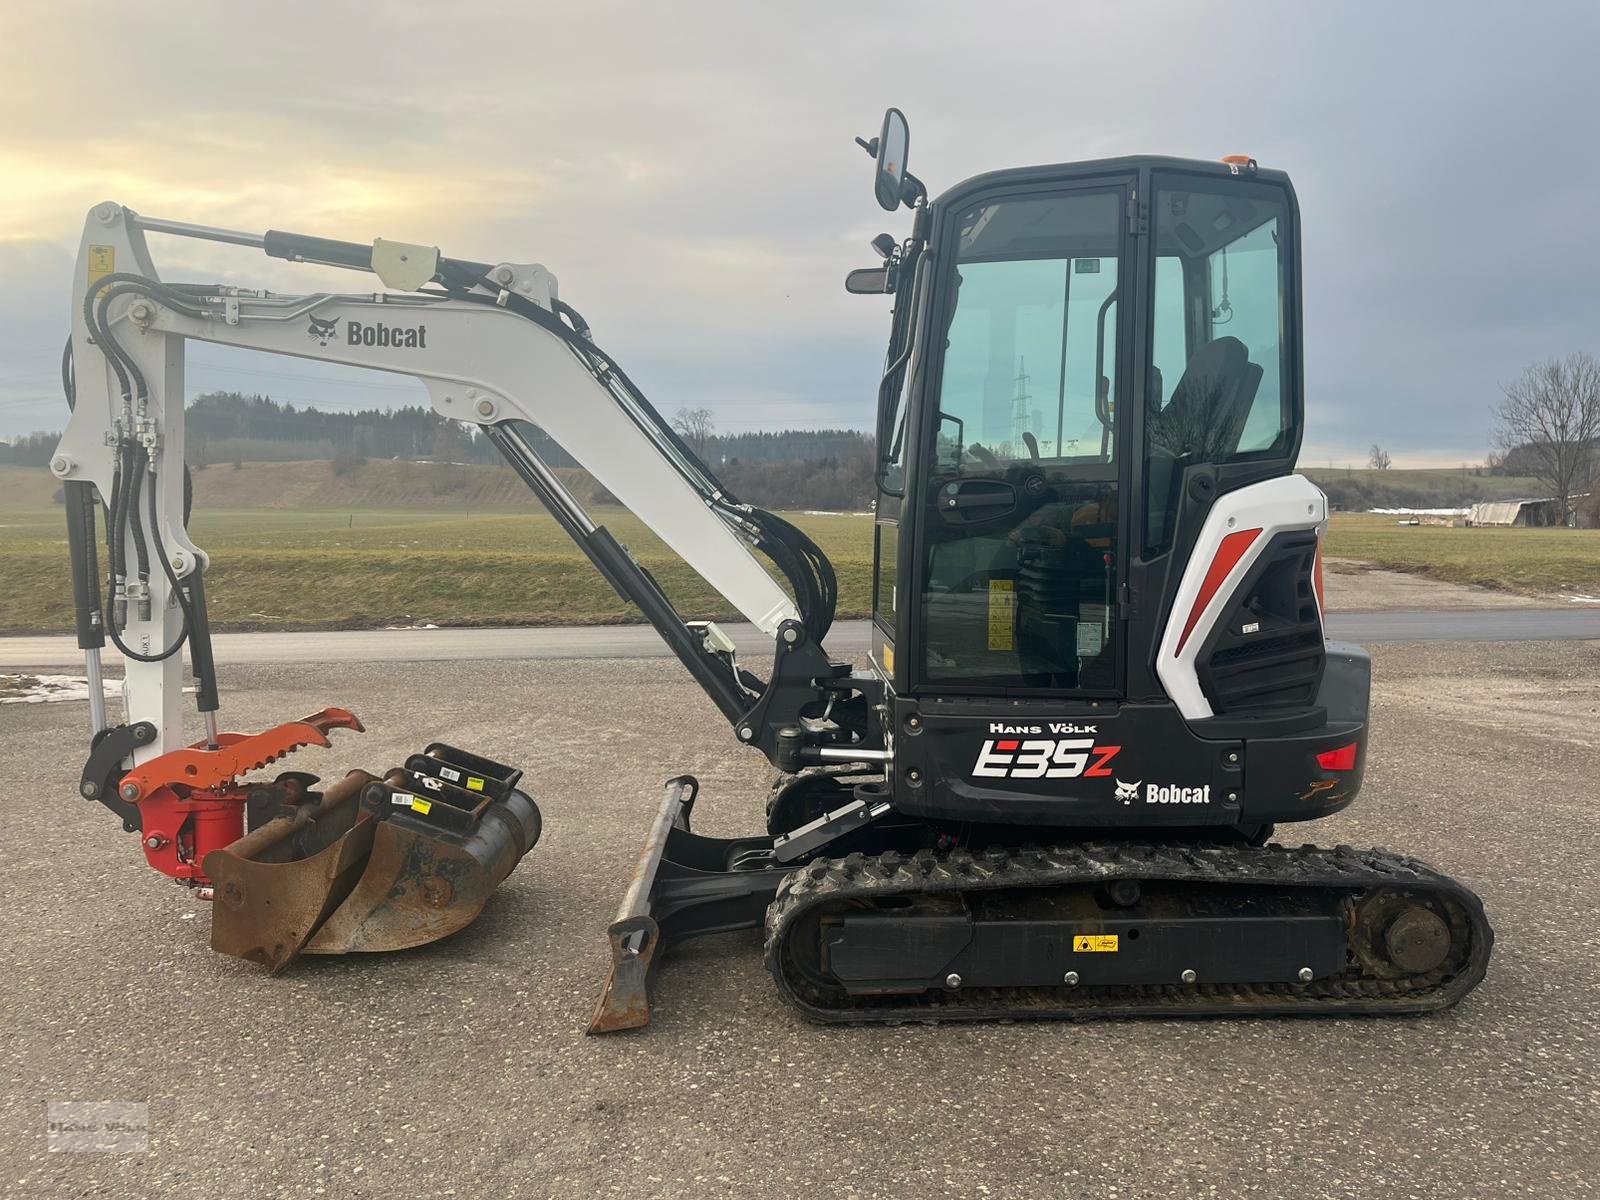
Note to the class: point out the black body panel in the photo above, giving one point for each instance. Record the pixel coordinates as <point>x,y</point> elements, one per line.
<point>1127,765</point>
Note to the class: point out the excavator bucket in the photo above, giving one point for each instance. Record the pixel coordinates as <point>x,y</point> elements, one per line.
<point>371,864</point>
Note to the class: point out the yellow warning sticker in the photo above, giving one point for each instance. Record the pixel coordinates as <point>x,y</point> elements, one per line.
<point>419,805</point>
<point>888,660</point>
<point>474,784</point>
<point>1002,604</point>
<point>1095,943</point>
<point>102,262</point>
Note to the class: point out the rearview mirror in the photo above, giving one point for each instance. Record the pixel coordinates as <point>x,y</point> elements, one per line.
<point>869,281</point>
<point>893,143</point>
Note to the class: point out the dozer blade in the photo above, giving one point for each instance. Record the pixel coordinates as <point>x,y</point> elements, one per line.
<point>685,885</point>
<point>374,864</point>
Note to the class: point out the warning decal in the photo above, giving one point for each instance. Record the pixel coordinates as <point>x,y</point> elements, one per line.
<point>1002,606</point>
<point>1095,943</point>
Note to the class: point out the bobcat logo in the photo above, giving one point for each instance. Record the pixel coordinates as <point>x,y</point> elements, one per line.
<point>1128,792</point>
<point>322,332</point>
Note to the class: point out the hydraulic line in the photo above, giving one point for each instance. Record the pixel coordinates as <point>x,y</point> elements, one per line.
<point>69,381</point>
<point>124,515</point>
<point>141,551</point>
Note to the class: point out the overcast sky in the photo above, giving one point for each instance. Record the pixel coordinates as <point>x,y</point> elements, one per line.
<point>687,171</point>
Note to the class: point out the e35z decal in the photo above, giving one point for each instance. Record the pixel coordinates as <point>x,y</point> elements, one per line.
<point>1044,758</point>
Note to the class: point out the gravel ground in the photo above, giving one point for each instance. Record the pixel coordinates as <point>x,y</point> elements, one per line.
<point>461,1069</point>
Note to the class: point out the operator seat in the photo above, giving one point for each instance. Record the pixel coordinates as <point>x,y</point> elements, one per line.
<point>1206,417</point>
<point>1204,422</point>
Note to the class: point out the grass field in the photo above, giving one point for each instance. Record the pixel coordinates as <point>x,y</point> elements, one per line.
<point>277,569</point>
<point>283,568</point>
<point>1530,561</point>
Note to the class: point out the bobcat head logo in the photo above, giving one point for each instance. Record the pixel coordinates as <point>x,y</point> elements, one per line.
<point>1128,792</point>
<point>322,332</point>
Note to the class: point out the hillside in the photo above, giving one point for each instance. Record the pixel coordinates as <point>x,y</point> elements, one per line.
<point>1364,489</point>
<point>354,483</point>
<point>327,485</point>
<point>392,483</point>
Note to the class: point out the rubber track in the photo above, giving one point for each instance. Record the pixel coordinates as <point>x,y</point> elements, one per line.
<point>862,878</point>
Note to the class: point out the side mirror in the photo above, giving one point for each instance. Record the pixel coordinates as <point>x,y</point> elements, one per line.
<point>893,143</point>
<point>870,281</point>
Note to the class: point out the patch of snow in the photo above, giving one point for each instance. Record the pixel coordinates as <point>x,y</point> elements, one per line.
<point>48,689</point>
<point>1584,599</point>
<point>1421,512</point>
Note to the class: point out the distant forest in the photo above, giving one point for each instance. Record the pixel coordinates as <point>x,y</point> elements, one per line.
<point>802,468</point>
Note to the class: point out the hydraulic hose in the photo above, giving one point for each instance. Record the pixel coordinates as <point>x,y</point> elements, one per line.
<point>123,512</point>
<point>69,380</point>
<point>141,551</point>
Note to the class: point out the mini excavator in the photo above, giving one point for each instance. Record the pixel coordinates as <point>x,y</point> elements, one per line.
<point>1097,679</point>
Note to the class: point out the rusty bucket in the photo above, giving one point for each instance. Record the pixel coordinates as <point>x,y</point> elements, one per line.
<point>372,864</point>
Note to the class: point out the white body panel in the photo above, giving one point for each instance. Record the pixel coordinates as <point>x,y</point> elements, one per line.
<point>481,365</point>
<point>1274,506</point>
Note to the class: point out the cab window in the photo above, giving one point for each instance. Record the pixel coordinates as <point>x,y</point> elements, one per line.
<point>1019,542</point>
<point>1218,389</point>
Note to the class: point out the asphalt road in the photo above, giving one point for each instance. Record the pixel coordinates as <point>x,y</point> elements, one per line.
<point>848,639</point>
<point>461,1069</point>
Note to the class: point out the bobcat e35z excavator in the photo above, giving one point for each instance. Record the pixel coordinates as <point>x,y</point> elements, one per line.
<point>1098,672</point>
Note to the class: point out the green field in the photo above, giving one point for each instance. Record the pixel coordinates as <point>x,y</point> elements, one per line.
<point>1529,561</point>
<point>279,569</point>
<point>361,567</point>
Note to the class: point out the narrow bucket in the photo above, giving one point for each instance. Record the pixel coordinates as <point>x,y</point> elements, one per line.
<point>278,884</point>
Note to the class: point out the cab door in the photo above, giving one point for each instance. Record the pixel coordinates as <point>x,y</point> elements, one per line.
<point>1019,513</point>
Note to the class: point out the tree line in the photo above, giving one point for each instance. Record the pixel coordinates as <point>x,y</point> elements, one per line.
<point>792,468</point>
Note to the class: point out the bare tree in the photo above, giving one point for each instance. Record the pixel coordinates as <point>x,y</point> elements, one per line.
<point>1378,458</point>
<point>1552,415</point>
<point>695,426</point>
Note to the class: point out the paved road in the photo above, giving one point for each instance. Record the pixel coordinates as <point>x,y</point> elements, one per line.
<point>461,1070</point>
<point>849,638</point>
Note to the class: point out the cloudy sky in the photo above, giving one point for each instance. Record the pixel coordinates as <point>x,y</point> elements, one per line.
<point>687,171</point>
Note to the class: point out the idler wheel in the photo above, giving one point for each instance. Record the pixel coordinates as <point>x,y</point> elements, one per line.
<point>1417,941</point>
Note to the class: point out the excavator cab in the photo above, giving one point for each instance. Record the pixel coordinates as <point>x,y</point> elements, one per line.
<point>1087,361</point>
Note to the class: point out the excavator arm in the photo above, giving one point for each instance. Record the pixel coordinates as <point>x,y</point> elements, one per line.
<point>494,346</point>
<point>380,862</point>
